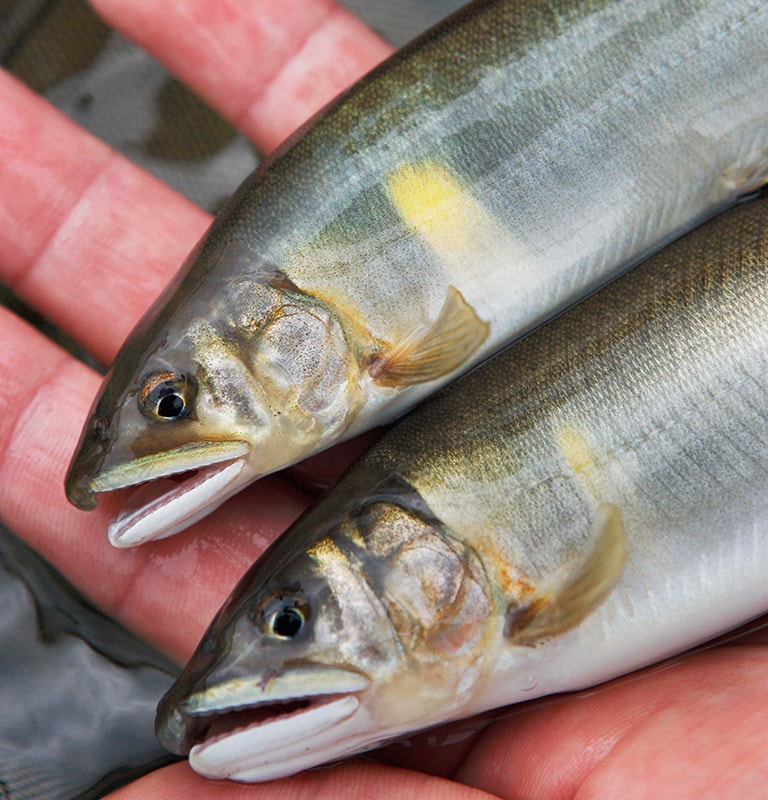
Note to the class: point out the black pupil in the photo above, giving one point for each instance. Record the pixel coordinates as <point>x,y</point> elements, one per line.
<point>287,623</point>
<point>170,406</point>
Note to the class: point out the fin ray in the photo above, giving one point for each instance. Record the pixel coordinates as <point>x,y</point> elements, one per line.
<point>434,351</point>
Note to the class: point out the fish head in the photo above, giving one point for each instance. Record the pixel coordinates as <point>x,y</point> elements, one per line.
<point>327,647</point>
<point>159,421</point>
<point>225,383</point>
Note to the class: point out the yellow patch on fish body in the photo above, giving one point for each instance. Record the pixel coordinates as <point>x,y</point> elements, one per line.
<point>432,202</point>
<point>453,222</point>
<point>579,457</point>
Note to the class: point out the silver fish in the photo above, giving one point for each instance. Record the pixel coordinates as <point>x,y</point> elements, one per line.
<point>482,179</point>
<point>592,500</point>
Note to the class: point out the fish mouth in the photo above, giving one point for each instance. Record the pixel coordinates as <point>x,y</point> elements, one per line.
<point>163,505</point>
<point>233,732</point>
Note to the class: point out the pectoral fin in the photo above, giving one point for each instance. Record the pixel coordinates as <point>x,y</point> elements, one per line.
<point>558,610</point>
<point>434,351</point>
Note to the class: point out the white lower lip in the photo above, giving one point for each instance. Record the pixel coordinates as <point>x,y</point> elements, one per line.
<point>181,506</point>
<point>264,749</point>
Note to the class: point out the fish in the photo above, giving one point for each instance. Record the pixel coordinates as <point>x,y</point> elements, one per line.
<point>592,500</point>
<point>480,181</point>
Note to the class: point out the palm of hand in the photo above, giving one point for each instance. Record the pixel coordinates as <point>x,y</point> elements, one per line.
<point>83,227</point>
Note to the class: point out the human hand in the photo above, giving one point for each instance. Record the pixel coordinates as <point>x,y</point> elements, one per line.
<point>90,240</point>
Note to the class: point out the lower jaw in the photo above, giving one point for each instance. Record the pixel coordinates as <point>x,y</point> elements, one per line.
<point>157,510</point>
<point>273,742</point>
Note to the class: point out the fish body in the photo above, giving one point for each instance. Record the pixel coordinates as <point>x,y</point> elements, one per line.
<point>591,500</point>
<point>478,182</point>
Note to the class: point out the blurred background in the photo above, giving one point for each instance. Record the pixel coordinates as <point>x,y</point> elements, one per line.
<point>78,692</point>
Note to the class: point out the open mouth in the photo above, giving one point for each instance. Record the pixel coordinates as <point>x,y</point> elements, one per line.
<point>223,725</point>
<point>175,488</point>
<point>165,506</point>
<point>260,743</point>
<point>234,731</point>
<point>268,741</point>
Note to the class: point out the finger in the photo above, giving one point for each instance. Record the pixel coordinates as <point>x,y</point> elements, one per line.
<point>165,591</point>
<point>266,65</point>
<point>87,238</point>
<point>347,781</point>
<point>693,726</point>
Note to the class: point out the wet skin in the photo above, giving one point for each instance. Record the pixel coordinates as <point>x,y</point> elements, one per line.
<point>83,226</point>
<point>316,307</point>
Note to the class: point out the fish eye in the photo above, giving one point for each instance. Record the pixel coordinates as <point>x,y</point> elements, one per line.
<point>286,617</point>
<point>287,623</point>
<point>167,396</point>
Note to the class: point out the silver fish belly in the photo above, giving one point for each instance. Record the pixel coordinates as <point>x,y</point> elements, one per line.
<point>592,500</point>
<point>480,181</point>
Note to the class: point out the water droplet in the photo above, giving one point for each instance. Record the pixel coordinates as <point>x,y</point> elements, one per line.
<point>529,683</point>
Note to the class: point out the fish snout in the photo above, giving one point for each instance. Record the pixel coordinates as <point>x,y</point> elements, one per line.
<point>78,484</point>
<point>175,730</point>
<point>86,464</point>
<point>80,494</point>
